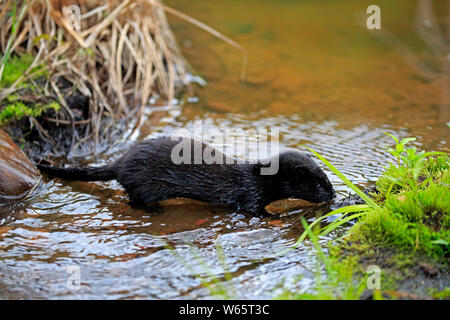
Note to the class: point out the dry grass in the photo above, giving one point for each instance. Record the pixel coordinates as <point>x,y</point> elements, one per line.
<point>123,53</point>
<point>118,54</point>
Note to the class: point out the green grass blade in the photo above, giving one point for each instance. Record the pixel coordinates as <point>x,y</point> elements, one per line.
<point>428,154</point>
<point>393,137</point>
<point>406,140</point>
<point>335,224</point>
<point>344,211</point>
<point>315,241</point>
<point>358,191</point>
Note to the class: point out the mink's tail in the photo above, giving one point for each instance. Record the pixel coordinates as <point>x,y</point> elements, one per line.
<point>104,173</point>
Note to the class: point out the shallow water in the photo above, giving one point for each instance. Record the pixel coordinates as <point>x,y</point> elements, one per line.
<point>318,76</point>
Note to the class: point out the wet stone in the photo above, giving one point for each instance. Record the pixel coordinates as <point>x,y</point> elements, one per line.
<point>18,176</point>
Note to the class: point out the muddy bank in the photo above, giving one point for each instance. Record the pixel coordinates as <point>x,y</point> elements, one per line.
<point>417,277</point>
<point>63,134</point>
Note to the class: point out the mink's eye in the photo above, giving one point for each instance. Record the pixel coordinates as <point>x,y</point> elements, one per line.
<point>319,186</point>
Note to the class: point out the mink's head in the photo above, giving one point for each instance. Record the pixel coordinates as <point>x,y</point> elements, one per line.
<point>300,177</point>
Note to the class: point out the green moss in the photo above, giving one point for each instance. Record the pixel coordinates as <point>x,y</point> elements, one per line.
<point>16,110</point>
<point>410,223</point>
<point>12,108</point>
<point>16,66</point>
<point>411,218</point>
<point>442,294</point>
<point>437,165</point>
<point>385,184</point>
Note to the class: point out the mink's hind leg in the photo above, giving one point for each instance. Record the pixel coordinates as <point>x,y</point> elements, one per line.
<point>144,198</point>
<point>142,194</point>
<point>137,201</point>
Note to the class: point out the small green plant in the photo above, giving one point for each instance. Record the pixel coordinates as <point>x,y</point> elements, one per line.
<point>413,162</point>
<point>399,147</point>
<point>411,165</point>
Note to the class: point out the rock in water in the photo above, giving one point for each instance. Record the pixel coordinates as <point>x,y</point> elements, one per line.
<point>18,176</point>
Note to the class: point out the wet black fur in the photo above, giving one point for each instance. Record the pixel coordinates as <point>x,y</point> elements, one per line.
<point>148,174</point>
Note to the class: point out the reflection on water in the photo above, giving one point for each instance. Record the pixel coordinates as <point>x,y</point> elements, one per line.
<point>316,76</point>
